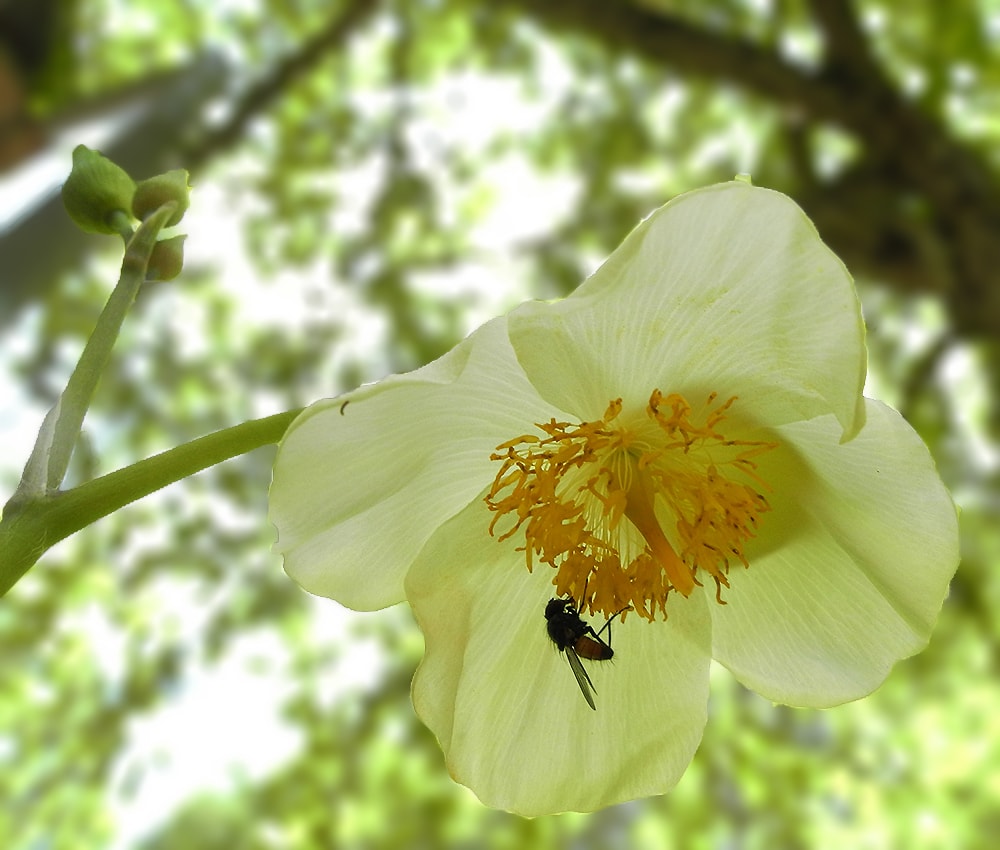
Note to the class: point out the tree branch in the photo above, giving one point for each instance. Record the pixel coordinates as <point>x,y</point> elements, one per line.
<point>266,90</point>
<point>846,46</point>
<point>685,47</point>
<point>917,161</point>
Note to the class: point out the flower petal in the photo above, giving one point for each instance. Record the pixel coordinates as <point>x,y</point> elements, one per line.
<point>868,544</point>
<point>357,490</point>
<point>503,702</point>
<point>726,289</point>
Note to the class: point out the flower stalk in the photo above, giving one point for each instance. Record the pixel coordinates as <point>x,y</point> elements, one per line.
<point>98,195</point>
<point>31,527</point>
<point>50,456</point>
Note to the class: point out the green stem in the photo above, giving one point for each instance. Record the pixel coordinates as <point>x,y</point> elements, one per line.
<point>29,528</point>
<point>50,456</point>
<point>82,383</point>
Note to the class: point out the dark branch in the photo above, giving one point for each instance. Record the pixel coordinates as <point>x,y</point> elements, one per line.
<point>685,47</point>
<point>262,94</point>
<point>846,46</point>
<point>930,202</point>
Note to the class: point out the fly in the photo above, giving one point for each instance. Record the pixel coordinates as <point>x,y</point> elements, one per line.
<point>577,638</point>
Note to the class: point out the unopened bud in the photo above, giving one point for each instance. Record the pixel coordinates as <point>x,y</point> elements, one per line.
<point>153,193</point>
<point>167,259</point>
<point>96,190</point>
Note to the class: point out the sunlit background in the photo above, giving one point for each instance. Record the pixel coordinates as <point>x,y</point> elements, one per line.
<point>372,181</point>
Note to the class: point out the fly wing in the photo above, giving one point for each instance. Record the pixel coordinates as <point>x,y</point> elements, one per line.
<point>582,679</point>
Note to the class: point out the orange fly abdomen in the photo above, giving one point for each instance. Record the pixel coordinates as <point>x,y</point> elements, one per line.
<point>591,649</point>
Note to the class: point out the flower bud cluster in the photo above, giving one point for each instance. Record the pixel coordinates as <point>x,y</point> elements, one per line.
<point>102,198</point>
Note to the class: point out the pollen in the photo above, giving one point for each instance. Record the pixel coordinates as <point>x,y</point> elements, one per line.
<point>629,509</point>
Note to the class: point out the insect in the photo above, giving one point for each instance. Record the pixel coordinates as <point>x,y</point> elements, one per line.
<point>577,638</point>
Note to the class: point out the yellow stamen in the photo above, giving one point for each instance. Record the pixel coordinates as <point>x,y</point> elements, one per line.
<point>628,511</point>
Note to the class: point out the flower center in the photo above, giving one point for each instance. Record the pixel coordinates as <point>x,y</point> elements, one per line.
<point>627,513</point>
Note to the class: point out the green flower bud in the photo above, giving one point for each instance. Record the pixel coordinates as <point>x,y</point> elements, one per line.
<point>167,259</point>
<point>154,192</point>
<point>95,190</point>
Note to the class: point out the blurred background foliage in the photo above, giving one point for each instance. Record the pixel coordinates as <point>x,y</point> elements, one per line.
<point>373,180</point>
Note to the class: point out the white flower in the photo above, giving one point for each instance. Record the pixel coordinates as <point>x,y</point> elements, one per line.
<point>685,438</point>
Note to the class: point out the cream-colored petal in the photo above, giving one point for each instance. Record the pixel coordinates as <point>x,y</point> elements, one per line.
<point>357,490</point>
<point>726,289</point>
<point>503,702</point>
<point>850,569</point>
